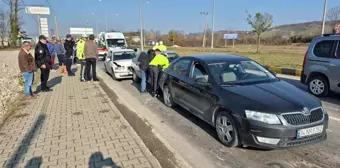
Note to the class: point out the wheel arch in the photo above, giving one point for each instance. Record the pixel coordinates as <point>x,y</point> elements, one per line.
<point>314,74</point>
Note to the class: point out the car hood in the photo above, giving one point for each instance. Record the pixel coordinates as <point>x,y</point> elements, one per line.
<point>273,97</point>
<point>124,63</point>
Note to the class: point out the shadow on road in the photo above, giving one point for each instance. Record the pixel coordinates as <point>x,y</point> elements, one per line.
<point>34,163</point>
<point>25,144</point>
<point>97,160</point>
<point>51,83</point>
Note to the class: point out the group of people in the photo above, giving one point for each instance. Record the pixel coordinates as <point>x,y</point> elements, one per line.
<point>152,64</point>
<point>45,51</point>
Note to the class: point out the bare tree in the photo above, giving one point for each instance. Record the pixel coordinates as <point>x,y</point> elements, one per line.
<point>333,15</point>
<point>260,23</point>
<point>14,8</point>
<point>4,24</point>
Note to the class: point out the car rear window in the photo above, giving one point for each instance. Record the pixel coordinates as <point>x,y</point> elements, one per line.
<point>324,49</point>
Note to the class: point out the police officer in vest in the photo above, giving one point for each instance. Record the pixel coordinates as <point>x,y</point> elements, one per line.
<point>158,64</point>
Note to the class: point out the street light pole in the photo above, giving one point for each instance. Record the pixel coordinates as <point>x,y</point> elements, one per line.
<point>324,17</point>
<point>205,27</point>
<point>141,25</point>
<point>213,25</point>
<point>105,21</point>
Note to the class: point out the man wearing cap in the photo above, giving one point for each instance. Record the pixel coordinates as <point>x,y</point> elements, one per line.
<point>81,57</point>
<point>158,64</point>
<point>43,61</point>
<point>68,45</point>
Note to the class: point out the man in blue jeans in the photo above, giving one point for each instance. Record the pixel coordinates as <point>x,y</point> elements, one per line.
<point>27,67</point>
<point>144,60</point>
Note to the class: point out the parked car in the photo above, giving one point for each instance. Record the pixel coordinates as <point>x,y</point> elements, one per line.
<point>245,103</point>
<point>137,74</point>
<point>118,63</point>
<point>321,65</point>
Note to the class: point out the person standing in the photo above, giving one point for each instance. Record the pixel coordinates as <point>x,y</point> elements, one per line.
<point>68,45</point>
<point>27,67</point>
<point>43,61</point>
<point>144,60</point>
<point>91,54</point>
<point>81,58</point>
<point>158,64</point>
<point>60,51</point>
<point>50,46</point>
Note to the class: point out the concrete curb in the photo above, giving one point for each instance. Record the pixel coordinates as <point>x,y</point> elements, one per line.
<point>284,71</point>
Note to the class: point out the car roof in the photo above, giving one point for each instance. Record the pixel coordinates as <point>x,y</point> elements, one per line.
<point>328,37</point>
<point>120,50</point>
<point>215,58</point>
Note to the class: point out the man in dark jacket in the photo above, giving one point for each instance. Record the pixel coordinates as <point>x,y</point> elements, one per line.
<point>144,60</point>
<point>43,61</point>
<point>68,45</point>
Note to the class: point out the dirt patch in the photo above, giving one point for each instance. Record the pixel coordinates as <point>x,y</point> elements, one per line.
<point>164,156</point>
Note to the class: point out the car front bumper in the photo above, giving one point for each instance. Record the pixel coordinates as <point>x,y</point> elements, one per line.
<point>123,74</point>
<point>251,131</point>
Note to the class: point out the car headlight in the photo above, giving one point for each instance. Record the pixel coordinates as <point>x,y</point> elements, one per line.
<point>119,68</point>
<point>263,117</point>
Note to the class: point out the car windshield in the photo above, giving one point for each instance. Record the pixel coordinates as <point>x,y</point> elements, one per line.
<point>172,56</point>
<point>123,55</point>
<point>241,72</point>
<point>115,42</point>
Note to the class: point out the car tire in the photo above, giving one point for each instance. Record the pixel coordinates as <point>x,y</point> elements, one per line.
<point>135,78</point>
<point>167,97</point>
<point>227,130</point>
<point>318,86</point>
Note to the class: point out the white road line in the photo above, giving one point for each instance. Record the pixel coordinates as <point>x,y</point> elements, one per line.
<point>329,130</point>
<point>332,108</point>
<point>334,118</point>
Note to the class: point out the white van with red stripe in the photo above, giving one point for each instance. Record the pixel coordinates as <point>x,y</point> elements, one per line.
<point>110,40</point>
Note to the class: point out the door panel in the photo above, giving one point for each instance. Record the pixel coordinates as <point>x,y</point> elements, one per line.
<point>334,67</point>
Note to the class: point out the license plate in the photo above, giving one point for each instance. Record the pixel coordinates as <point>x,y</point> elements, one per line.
<point>309,131</point>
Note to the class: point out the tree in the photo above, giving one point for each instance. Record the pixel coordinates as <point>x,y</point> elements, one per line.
<point>172,36</point>
<point>4,22</point>
<point>151,35</point>
<point>261,22</point>
<point>333,15</point>
<point>14,8</point>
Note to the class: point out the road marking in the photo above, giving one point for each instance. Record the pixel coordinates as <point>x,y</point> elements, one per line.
<point>329,130</point>
<point>334,118</point>
<point>332,108</point>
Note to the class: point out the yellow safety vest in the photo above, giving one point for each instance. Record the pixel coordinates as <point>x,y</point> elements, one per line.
<point>162,47</point>
<point>80,49</point>
<point>161,60</point>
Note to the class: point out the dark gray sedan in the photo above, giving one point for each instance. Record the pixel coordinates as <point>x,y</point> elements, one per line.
<point>246,103</point>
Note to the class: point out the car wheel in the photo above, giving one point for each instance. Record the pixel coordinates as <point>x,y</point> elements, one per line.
<point>167,97</point>
<point>135,78</point>
<point>318,86</point>
<point>227,130</point>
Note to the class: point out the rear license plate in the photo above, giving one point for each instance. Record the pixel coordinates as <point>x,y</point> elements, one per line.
<point>309,131</point>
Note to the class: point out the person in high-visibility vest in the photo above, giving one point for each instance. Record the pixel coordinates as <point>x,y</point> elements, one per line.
<point>158,64</point>
<point>162,47</point>
<point>81,57</point>
<point>156,46</point>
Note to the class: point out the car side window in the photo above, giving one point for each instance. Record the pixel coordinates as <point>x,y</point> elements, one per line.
<point>338,52</point>
<point>182,67</point>
<point>324,49</point>
<point>199,72</point>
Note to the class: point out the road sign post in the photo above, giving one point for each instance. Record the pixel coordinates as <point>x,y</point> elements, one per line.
<point>230,37</point>
<point>39,10</point>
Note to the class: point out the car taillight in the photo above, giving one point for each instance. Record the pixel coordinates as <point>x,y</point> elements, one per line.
<point>304,60</point>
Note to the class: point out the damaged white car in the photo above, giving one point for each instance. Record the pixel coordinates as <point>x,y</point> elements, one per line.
<point>118,63</point>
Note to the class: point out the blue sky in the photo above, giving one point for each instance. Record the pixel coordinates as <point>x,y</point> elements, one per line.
<point>164,15</point>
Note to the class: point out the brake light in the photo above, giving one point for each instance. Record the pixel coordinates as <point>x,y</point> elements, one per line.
<point>304,60</point>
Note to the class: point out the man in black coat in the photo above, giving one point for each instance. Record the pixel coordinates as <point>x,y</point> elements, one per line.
<point>68,45</point>
<point>144,60</point>
<point>43,61</point>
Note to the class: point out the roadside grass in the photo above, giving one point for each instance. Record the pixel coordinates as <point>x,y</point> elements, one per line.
<point>18,104</point>
<point>280,56</point>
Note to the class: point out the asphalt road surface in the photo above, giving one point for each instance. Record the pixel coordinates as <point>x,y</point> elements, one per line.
<point>203,137</point>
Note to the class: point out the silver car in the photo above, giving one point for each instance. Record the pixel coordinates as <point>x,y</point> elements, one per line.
<point>118,63</point>
<point>137,74</point>
<point>321,65</point>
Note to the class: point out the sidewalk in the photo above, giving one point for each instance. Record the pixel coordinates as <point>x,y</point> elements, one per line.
<point>75,125</point>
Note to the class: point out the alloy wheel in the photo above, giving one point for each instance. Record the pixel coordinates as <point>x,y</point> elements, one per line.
<point>317,87</point>
<point>225,128</point>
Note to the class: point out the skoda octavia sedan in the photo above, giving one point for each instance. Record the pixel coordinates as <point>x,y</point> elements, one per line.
<point>246,103</point>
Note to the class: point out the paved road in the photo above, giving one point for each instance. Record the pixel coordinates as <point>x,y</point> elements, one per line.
<point>202,136</point>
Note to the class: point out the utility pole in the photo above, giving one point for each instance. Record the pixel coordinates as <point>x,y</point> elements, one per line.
<point>213,25</point>
<point>105,21</point>
<point>324,17</point>
<point>56,26</point>
<point>205,27</point>
<point>141,25</point>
